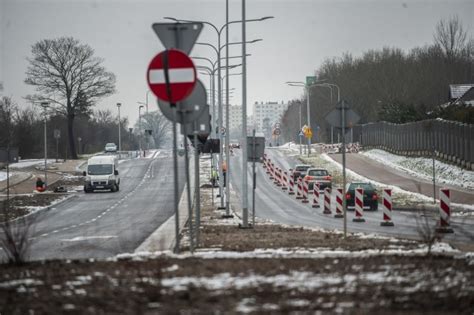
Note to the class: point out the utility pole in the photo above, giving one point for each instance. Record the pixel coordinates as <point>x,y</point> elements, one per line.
<point>119,127</point>
<point>45,106</point>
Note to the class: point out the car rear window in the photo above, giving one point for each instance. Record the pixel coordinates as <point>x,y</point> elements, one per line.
<point>364,186</point>
<point>302,168</point>
<point>318,173</point>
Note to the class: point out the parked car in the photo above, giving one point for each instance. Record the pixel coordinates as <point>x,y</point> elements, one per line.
<point>371,198</point>
<point>110,147</point>
<point>300,171</point>
<point>319,175</point>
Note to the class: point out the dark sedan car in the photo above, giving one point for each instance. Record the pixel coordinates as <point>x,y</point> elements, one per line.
<point>371,199</point>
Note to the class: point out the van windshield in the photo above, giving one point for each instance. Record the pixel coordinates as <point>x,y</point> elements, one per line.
<point>100,169</point>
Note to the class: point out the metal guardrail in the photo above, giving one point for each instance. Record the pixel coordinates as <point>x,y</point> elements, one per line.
<point>451,141</point>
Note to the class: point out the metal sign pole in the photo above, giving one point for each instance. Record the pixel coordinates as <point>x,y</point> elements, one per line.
<point>254,178</point>
<point>197,189</point>
<point>344,203</point>
<point>188,190</point>
<point>176,187</point>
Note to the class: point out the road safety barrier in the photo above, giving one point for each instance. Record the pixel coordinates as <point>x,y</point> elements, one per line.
<point>327,201</point>
<point>278,177</point>
<point>359,205</point>
<point>444,211</point>
<point>291,185</point>
<point>268,166</point>
<point>284,184</point>
<point>305,191</point>
<point>299,191</point>
<point>387,207</point>
<point>316,195</point>
<point>272,170</point>
<point>264,160</point>
<point>339,201</point>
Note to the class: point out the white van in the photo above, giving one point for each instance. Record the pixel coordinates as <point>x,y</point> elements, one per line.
<point>102,173</point>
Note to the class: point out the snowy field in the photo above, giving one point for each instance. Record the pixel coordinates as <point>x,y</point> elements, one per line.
<point>423,168</point>
<point>30,162</point>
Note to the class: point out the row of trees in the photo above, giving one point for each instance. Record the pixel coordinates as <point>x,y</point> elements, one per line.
<point>25,127</point>
<point>393,85</point>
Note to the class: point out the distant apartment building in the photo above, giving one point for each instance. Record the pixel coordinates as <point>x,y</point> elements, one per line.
<point>266,114</point>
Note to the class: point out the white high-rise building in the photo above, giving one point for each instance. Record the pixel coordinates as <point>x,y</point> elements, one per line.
<point>267,114</point>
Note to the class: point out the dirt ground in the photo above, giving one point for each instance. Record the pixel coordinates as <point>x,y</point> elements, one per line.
<point>229,275</point>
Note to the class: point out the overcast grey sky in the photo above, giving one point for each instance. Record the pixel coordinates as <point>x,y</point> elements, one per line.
<point>295,43</point>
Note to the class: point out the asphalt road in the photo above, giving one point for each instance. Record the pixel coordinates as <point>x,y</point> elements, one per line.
<point>275,204</point>
<point>104,224</point>
<point>381,173</point>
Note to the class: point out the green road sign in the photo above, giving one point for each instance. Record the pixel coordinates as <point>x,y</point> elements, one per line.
<point>310,80</point>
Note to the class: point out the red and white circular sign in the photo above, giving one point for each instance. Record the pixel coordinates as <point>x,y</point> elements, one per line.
<point>181,74</point>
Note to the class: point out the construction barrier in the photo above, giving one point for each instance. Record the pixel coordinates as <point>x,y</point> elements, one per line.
<point>272,170</point>
<point>268,166</point>
<point>359,205</point>
<point>278,177</point>
<point>305,191</point>
<point>299,189</point>
<point>387,207</point>
<point>284,183</point>
<point>444,211</point>
<point>264,160</point>
<point>339,204</point>
<point>291,185</point>
<point>327,201</point>
<point>316,195</point>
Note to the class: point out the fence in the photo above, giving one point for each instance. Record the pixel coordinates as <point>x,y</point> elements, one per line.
<point>451,141</point>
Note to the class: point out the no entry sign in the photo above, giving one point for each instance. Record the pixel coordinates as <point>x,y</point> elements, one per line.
<point>181,75</point>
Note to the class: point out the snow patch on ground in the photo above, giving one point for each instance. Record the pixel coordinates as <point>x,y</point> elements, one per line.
<point>423,167</point>
<point>395,189</point>
<point>3,175</point>
<point>86,238</point>
<point>31,162</point>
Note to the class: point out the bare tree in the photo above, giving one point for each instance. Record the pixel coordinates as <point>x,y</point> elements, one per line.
<point>68,76</point>
<point>159,125</point>
<point>451,37</point>
<point>13,237</point>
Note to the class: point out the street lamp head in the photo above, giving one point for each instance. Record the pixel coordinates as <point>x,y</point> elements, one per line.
<point>255,40</point>
<point>119,104</point>
<point>140,107</point>
<point>266,18</point>
<point>171,18</point>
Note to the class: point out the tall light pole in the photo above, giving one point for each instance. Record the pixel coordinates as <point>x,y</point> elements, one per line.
<point>119,127</point>
<point>146,100</point>
<point>219,31</point>
<point>45,106</point>
<point>140,128</point>
<point>245,206</point>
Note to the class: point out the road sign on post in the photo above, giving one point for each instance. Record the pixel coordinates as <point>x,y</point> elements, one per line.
<point>334,118</point>
<point>176,68</point>
<point>178,35</point>
<point>259,149</point>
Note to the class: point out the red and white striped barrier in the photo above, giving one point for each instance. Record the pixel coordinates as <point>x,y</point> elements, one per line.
<point>278,177</point>
<point>339,203</point>
<point>299,189</point>
<point>359,205</point>
<point>387,207</point>
<point>264,160</point>
<point>284,183</point>
<point>316,195</point>
<point>444,211</point>
<point>268,166</point>
<point>291,184</point>
<point>272,170</point>
<point>327,201</point>
<point>305,191</point>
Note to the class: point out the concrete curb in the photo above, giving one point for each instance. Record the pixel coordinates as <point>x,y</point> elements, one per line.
<point>164,238</point>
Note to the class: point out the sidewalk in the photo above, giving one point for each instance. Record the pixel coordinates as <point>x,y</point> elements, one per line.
<point>24,181</point>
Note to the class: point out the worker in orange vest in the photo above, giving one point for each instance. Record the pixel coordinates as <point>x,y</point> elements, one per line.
<point>224,171</point>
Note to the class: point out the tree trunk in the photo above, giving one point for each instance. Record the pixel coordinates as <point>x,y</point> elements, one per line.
<point>70,132</point>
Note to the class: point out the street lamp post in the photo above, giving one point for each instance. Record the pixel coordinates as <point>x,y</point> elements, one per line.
<point>140,128</point>
<point>45,106</point>
<point>219,31</point>
<point>119,127</point>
